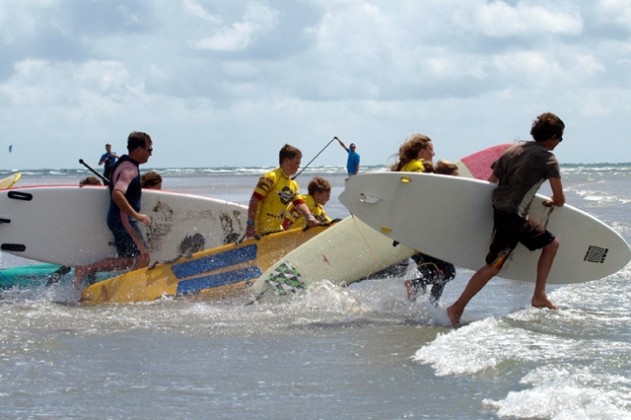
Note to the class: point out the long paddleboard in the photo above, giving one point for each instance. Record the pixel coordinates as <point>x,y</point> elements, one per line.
<point>10,180</point>
<point>214,273</point>
<point>451,218</point>
<point>347,252</point>
<point>66,225</point>
<point>351,251</point>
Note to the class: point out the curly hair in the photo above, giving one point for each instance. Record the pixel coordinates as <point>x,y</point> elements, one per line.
<point>545,126</point>
<point>318,184</point>
<point>409,150</point>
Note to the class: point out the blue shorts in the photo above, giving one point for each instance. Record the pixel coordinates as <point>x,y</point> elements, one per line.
<point>511,229</point>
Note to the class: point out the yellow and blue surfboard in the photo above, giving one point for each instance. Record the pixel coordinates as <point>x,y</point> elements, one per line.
<point>215,273</point>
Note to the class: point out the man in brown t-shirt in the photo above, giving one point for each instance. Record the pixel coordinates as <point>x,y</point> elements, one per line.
<point>519,173</point>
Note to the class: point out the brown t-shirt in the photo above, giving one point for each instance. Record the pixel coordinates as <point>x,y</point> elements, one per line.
<point>521,170</point>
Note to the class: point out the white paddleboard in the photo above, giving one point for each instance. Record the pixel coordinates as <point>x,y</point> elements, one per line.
<point>351,251</point>
<point>346,252</point>
<point>67,224</point>
<point>451,218</point>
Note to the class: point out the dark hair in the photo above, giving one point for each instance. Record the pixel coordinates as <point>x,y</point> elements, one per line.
<point>288,152</point>
<point>445,167</point>
<point>150,179</point>
<point>318,184</point>
<point>545,126</point>
<point>137,139</point>
<point>428,167</point>
<point>90,180</point>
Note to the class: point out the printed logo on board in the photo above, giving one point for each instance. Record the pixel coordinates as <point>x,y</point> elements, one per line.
<point>596,254</point>
<point>285,280</point>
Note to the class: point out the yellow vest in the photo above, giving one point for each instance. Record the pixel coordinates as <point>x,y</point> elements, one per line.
<point>294,220</point>
<point>276,191</point>
<point>415,165</point>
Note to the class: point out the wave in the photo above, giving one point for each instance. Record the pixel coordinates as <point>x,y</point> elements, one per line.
<point>180,172</point>
<point>613,169</point>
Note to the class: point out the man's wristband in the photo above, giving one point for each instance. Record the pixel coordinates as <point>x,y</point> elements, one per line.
<point>250,222</point>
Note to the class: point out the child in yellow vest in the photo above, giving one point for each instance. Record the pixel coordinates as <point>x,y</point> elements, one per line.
<point>274,191</point>
<point>319,193</point>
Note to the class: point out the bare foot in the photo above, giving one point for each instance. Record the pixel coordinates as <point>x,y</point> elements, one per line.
<point>543,302</point>
<point>409,290</point>
<point>453,316</point>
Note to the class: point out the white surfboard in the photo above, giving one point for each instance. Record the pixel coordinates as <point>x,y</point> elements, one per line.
<point>67,224</point>
<point>350,250</point>
<point>451,218</point>
<point>346,252</point>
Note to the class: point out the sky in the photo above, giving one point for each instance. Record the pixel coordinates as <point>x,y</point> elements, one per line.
<point>222,83</point>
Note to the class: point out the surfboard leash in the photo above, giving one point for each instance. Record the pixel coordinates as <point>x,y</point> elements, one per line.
<point>549,213</point>
<point>374,268</point>
<point>372,253</point>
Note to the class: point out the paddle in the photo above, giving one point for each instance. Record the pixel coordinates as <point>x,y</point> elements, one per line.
<point>305,167</point>
<point>105,180</point>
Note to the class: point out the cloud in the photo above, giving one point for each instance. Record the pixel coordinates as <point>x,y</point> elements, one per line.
<point>498,19</point>
<point>258,19</point>
<point>616,11</point>
<point>191,72</point>
<point>200,12</point>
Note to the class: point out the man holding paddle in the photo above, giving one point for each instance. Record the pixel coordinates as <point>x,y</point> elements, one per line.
<point>352,161</point>
<point>109,160</point>
<point>124,212</point>
<point>519,173</point>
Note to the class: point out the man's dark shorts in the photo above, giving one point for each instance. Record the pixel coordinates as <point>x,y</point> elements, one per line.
<point>125,245</point>
<point>509,230</point>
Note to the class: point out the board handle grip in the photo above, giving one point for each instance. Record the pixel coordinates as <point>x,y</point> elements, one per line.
<point>19,195</point>
<point>13,247</point>
<point>368,199</point>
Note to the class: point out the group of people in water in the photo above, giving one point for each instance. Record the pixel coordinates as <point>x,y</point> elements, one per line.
<point>277,204</point>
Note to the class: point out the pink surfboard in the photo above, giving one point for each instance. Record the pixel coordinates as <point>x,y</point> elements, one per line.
<point>478,164</point>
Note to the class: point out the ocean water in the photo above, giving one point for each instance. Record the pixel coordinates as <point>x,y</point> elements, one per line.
<point>362,352</point>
